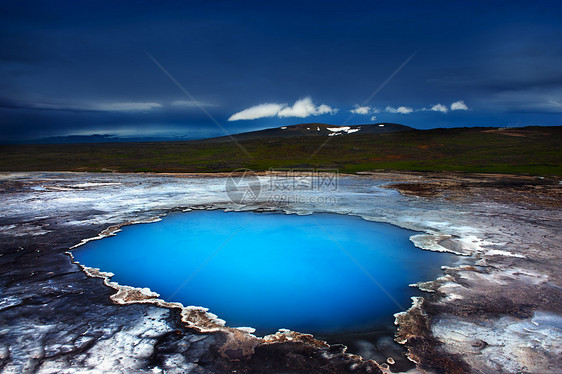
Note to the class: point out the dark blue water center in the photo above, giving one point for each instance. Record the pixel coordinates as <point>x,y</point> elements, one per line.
<point>323,273</point>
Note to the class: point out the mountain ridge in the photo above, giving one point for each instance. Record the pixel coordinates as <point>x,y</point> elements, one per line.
<point>313,129</point>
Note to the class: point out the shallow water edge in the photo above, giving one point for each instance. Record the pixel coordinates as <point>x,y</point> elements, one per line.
<point>244,338</point>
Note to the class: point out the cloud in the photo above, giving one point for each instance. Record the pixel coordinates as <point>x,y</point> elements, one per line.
<point>184,103</point>
<point>361,109</point>
<point>373,118</point>
<point>51,106</point>
<point>103,107</point>
<point>189,104</point>
<point>258,111</point>
<point>459,105</point>
<point>364,110</point>
<point>304,108</point>
<point>546,101</point>
<point>400,110</point>
<point>113,107</point>
<point>301,108</point>
<point>440,108</point>
<point>127,107</point>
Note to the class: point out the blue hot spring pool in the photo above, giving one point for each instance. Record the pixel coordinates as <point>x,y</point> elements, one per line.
<point>322,273</point>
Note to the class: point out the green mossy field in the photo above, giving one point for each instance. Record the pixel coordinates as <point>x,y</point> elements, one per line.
<point>529,150</point>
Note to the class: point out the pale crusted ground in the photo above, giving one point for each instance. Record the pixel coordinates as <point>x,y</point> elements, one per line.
<point>497,310</point>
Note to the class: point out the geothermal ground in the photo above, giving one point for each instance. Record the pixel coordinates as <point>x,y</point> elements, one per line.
<point>496,310</point>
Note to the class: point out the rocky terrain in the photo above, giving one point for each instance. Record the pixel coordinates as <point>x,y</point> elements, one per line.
<point>496,310</point>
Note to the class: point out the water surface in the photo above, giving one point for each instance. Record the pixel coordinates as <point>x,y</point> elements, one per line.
<point>323,273</point>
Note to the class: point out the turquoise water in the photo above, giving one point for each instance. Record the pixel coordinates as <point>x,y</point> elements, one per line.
<point>323,273</point>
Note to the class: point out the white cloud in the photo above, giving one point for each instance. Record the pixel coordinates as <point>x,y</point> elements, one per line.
<point>364,110</point>
<point>301,108</point>
<point>400,110</point>
<point>258,111</point>
<point>373,118</point>
<point>304,108</point>
<point>361,110</point>
<point>459,105</point>
<point>127,107</point>
<point>439,108</point>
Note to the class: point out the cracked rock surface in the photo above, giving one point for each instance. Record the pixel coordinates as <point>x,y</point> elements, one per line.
<point>497,310</point>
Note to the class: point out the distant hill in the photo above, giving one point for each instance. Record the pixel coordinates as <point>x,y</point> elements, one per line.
<point>314,129</point>
<point>293,131</point>
<point>95,138</point>
<point>304,129</point>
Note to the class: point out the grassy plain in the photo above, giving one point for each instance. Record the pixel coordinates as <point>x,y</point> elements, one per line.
<point>530,150</point>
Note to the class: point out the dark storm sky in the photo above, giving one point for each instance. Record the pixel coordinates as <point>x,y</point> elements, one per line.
<point>83,67</point>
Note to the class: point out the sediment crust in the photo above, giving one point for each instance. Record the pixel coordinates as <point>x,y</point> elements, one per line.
<point>506,282</point>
